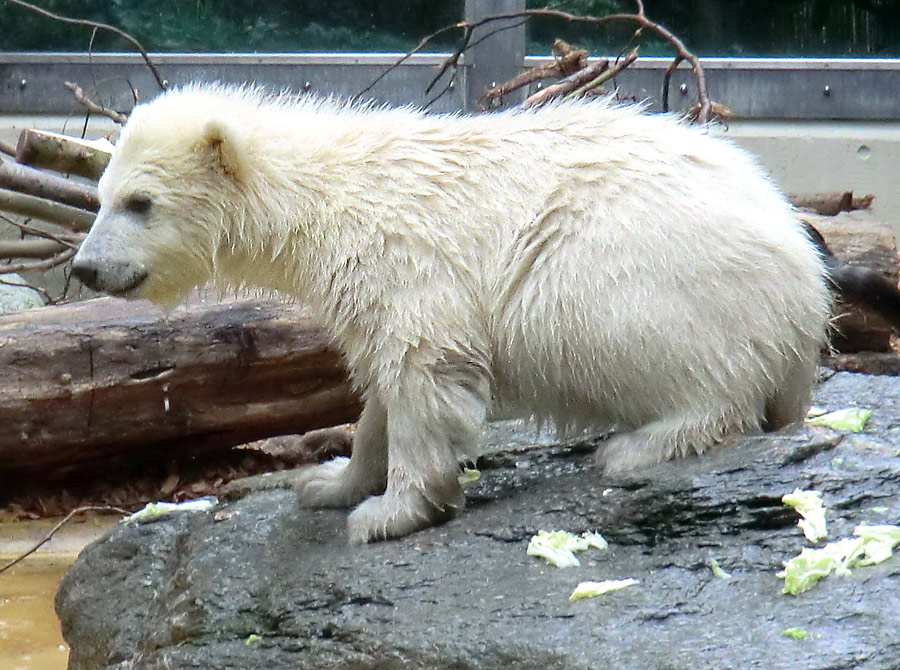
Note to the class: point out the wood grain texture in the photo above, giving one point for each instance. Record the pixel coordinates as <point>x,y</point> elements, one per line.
<point>91,381</point>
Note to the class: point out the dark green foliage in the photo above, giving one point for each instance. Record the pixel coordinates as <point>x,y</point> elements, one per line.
<point>241,25</point>
<point>834,28</point>
<point>708,27</point>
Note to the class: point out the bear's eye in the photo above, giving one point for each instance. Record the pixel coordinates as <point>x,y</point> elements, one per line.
<point>138,203</point>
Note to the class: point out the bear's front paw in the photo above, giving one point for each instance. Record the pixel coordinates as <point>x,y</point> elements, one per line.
<point>396,514</point>
<point>329,485</point>
<point>624,453</point>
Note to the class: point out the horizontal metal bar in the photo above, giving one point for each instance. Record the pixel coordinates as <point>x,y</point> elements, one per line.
<point>32,84</point>
<point>431,58</point>
<point>767,88</point>
<point>784,64</point>
<point>753,88</point>
<point>314,58</point>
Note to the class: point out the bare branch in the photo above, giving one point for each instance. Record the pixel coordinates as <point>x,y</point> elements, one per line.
<point>681,52</point>
<point>667,78</point>
<point>416,49</point>
<point>55,529</point>
<point>453,59</point>
<point>49,299</point>
<point>717,111</point>
<point>567,64</point>
<point>444,91</point>
<point>567,85</point>
<point>70,240</point>
<point>35,182</point>
<point>40,266</point>
<point>603,77</point>
<point>30,248</point>
<point>163,84</point>
<point>93,107</point>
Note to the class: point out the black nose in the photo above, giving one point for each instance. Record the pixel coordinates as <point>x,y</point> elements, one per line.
<point>86,272</point>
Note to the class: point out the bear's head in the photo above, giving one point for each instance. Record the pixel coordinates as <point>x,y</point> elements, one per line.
<point>165,200</point>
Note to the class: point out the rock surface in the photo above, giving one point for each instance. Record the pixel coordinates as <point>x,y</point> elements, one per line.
<point>16,295</point>
<point>262,583</point>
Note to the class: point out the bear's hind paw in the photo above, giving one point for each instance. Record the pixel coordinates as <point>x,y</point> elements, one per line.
<point>397,514</point>
<point>329,485</point>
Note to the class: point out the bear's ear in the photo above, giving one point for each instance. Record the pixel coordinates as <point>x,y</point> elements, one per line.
<point>224,144</point>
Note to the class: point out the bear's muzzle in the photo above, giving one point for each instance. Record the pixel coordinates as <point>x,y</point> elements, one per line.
<point>109,277</point>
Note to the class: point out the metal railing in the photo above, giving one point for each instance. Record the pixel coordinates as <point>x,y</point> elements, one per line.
<point>781,89</point>
<point>795,89</point>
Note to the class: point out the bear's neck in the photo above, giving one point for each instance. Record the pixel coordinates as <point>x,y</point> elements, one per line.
<point>300,219</point>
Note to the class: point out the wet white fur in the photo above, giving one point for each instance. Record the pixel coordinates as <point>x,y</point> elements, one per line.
<point>584,262</point>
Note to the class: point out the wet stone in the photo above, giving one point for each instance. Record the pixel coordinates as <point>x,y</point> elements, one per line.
<point>261,583</point>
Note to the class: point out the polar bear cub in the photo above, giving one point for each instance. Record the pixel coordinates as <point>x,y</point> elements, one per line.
<point>584,263</point>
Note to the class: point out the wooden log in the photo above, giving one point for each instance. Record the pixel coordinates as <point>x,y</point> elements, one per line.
<point>866,362</point>
<point>43,185</point>
<point>861,241</point>
<point>43,149</point>
<point>31,206</point>
<point>86,383</point>
<point>831,204</point>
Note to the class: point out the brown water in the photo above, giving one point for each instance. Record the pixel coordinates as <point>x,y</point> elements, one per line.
<point>30,637</point>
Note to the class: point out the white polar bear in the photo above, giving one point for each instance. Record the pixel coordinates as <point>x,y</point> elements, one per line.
<point>581,262</point>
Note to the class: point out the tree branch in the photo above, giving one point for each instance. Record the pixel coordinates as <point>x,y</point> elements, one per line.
<point>567,85</point>
<point>39,266</point>
<point>639,17</point>
<point>570,61</point>
<point>163,84</point>
<point>55,529</point>
<point>70,240</point>
<point>30,248</point>
<point>92,106</point>
<point>49,299</point>
<point>605,76</point>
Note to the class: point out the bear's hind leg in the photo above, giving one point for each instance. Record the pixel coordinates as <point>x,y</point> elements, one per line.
<point>433,422</point>
<point>664,439</point>
<point>792,399</point>
<point>343,482</point>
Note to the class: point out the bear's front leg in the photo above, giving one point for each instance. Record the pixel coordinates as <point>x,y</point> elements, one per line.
<point>434,419</point>
<point>343,482</point>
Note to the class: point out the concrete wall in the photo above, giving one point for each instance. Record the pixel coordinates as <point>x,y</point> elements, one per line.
<point>806,157</point>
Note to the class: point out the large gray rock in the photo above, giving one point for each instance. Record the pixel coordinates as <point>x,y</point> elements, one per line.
<point>190,591</point>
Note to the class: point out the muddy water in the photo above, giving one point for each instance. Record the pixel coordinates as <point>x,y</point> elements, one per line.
<point>30,638</point>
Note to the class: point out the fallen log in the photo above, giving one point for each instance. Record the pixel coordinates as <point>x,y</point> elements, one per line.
<point>862,242</point>
<point>62,153</point>
<point>86,383</point>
